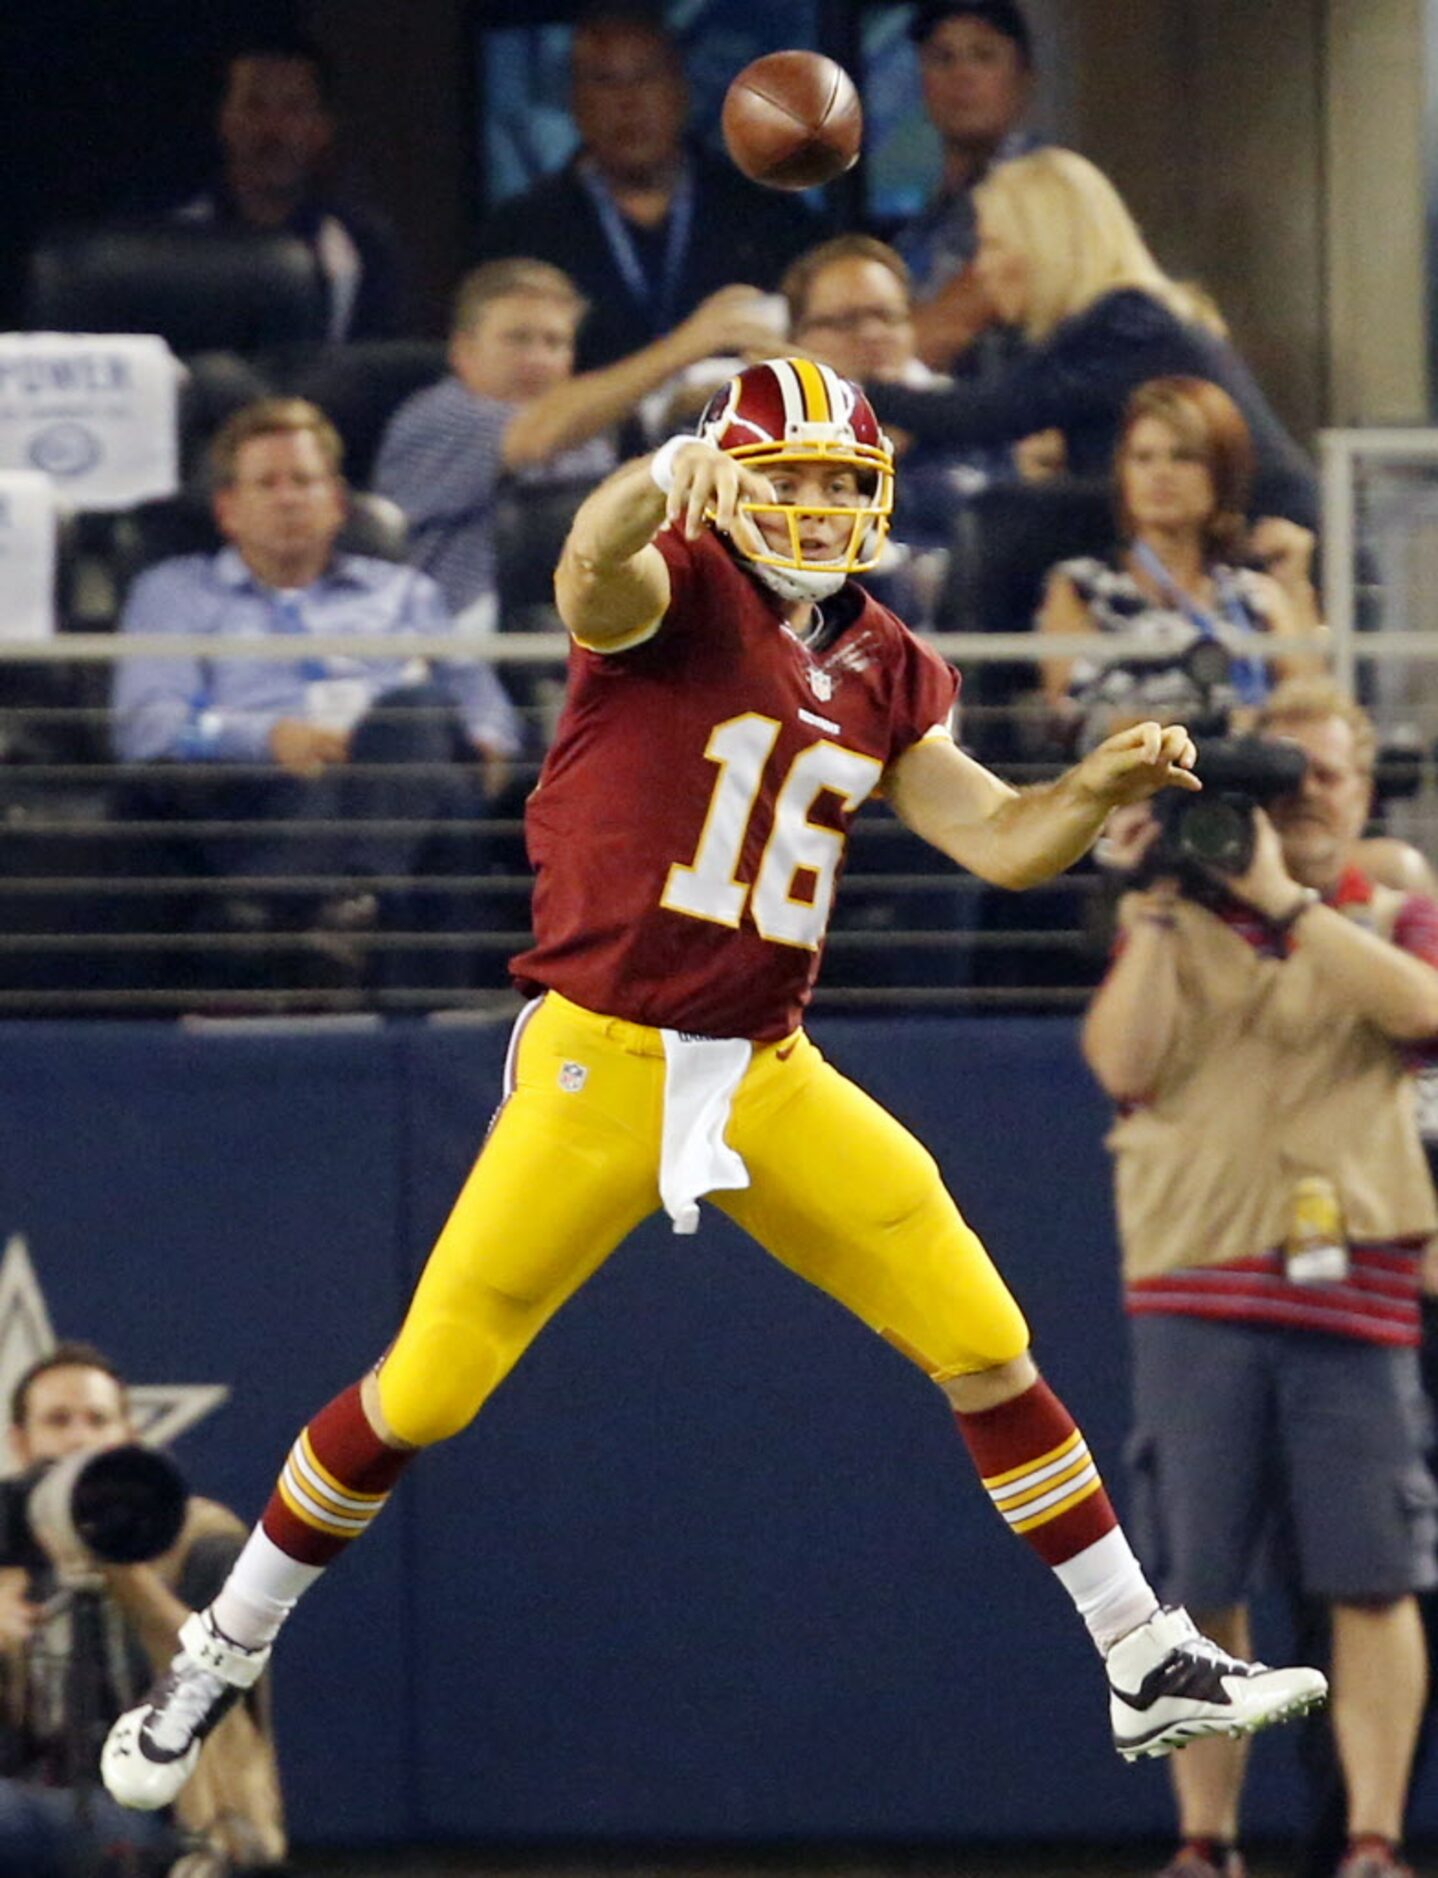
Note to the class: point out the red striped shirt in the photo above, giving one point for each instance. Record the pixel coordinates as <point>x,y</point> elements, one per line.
<point>1378,1301</point>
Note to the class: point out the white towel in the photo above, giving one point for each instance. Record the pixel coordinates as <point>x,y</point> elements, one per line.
<point>28,527</point>
<point>701,1075</point>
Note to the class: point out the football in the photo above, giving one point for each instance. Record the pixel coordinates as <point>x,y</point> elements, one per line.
<point>792,119</point>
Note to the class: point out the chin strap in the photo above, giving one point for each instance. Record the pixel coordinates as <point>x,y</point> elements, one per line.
<point>799,583</point>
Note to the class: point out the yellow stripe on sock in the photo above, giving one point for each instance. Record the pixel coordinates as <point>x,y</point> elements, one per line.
<point>348,1493</point>
<point>307,1518</point>
<point>1053,1512</point>
<point>1006,1501</point>
<point>1042,1460</point>
<point>307,1481</point>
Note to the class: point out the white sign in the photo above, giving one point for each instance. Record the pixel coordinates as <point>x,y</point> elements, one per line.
<point>98,413</point>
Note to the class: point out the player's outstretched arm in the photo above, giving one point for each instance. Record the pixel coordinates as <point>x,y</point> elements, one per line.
<point>612,583</point>
<point>1018,838</point>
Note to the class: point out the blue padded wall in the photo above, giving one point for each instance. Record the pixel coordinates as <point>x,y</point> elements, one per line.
<point>712,1564</point>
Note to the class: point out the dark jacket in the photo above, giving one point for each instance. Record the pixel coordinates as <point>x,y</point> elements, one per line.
<point>361,264</point>
<point>739,233</point>
<point>1078,381</point>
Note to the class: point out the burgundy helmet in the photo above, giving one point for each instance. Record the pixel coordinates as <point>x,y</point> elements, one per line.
<point>798,411</point>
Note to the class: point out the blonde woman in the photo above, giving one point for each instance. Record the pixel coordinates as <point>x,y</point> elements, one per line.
<point>1062,260</point>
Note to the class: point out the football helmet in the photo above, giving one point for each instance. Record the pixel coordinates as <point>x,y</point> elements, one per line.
<point>798,411</point>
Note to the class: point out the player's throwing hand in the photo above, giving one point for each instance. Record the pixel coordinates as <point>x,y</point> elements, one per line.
<point>710,484</point>
<point>1136,763</point>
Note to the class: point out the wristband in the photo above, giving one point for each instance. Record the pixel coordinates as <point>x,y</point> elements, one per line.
<point>1307,897</point>
<point>661,464</point>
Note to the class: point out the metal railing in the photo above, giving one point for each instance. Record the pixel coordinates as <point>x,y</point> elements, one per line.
<point>116,894</point>
<point>1380,589</point>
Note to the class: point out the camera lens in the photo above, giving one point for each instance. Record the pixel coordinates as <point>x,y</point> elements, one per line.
<point>128,1504</point>
<point>1217,834</point>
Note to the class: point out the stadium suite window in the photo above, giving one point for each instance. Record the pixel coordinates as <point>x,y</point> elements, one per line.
<point>902,154</point>
<point>523,130</point>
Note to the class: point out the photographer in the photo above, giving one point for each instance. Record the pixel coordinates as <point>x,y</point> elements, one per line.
<point>1259,1030</point>
<point>79,1637</point>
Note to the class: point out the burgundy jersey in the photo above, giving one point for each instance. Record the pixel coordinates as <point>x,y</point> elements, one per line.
<point>689,823</point>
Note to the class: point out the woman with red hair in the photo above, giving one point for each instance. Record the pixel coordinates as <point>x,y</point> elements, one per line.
<point>1182,474</point>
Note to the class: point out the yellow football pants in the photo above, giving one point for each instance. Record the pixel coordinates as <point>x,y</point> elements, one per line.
<point>839,1192</point>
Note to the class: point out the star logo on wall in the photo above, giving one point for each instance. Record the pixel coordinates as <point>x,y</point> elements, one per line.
<point>160,1411</point>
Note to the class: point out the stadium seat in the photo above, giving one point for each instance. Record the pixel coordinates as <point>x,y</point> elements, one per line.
<point>360,386</point>
<point>186,525</point>
<point>215,386</point>
<point>531,521</point>
<point>1006,539</point>
<point>200,289</point>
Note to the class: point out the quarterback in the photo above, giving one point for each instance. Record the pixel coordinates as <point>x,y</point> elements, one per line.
<point>734,697</point>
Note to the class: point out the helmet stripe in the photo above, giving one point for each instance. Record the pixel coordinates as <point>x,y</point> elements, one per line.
<point>818,408</point>
<point>841,395</point>
<point>787,377</point>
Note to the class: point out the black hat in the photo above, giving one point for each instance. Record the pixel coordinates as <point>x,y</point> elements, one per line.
<point>1003,15</point>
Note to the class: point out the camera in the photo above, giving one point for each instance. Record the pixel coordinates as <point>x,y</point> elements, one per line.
<point>120,1505</point>
<point>1214,832</point>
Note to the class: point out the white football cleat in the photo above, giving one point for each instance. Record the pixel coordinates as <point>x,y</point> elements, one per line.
<point>1169,1685</point>
<point>151,1751</point>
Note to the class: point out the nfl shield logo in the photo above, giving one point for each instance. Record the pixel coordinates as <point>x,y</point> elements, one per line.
<point>821,684</point>
<point>572,1077</point>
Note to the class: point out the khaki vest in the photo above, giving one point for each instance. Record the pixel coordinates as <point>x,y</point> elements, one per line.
<point>1270,1077</point>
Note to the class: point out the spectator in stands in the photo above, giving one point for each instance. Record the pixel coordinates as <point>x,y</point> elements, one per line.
<point>976,67</point>
<point>279,502</point>
<point>276,129</point>
<point>850,303</point>
<point>1260,1032</point>
<point>1061,258</point>
<point>512,414</point>
<point>645,222</point>
<point>1177,578</point>
<point>54,1818</point>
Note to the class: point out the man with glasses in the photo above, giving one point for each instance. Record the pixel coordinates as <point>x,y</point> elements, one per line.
<point>851,304</point>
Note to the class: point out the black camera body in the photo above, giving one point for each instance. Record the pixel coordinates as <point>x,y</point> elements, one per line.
<point>1214,833</point>
<point>120,1505</point>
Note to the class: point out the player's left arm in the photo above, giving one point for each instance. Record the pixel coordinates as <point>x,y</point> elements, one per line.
<point>1019,837</point>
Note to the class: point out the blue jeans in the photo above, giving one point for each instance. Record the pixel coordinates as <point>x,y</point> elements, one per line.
<point>57,1832</point>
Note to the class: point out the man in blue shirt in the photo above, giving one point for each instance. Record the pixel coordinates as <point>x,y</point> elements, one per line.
<point>314,722</point>
<point>512,416</point>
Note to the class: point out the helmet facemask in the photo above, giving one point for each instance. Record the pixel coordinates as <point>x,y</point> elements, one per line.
<point>802,442</point>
